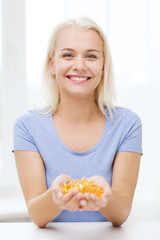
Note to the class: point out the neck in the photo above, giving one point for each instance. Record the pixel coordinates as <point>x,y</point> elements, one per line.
<point>77,110</point>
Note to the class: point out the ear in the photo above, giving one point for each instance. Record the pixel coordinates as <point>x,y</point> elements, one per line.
<point>51,67</point>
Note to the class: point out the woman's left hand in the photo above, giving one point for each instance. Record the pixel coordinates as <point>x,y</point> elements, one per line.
<point>91,202</point>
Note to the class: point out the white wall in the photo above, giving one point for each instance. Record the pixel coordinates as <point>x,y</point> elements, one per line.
<point>14,95</point>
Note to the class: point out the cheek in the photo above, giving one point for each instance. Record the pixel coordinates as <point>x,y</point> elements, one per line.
<point>98,75</point>
<point>61,68</point>
<point>98,71</point>
<point>97,68</point>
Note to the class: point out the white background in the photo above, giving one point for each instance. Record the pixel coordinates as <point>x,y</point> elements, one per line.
<point>133,31</point>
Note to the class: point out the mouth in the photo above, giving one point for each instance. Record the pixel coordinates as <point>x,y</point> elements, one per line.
<point>78,78</point>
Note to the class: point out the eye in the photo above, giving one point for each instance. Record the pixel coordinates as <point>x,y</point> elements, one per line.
<point>67,55</point>
<point>91,56</point>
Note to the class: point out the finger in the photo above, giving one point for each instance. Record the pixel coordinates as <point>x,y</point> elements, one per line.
<point>60,180</point>
<point>99,202</point>
<point>59,198</point>
<point>96,201</point>
<point>73,204</point>
<point>83,205</point>
<point>65,179</point>
<point>83,200</point>
<point>89,204</point>
<point>68,196</point>
<point>56,194</point>
<point>86,196</point>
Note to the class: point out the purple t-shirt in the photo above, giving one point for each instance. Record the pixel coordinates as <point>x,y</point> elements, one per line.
<point>36,132</point>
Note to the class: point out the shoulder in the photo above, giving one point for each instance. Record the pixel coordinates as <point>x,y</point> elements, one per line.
<point>30,119</point>
<point>129,121</point>
<point>130,128</point>
<point>32,115</point>
<point>124,119</point>
<point>125,114</point>
<point>25,123</point>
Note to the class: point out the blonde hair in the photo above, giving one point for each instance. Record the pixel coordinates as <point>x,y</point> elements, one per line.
<point>104,93</point>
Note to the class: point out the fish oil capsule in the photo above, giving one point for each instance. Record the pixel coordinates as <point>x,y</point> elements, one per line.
<point>83,186</point>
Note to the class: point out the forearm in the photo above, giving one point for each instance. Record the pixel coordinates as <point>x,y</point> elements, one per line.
<point>42,209</point>
<point>117,210</point>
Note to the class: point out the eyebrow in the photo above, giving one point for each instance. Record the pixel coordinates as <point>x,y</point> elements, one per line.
<point>72,50</point>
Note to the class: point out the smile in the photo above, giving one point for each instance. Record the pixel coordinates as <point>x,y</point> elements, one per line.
<point>78,78</point>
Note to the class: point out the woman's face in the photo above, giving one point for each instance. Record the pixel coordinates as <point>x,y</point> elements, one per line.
<point>78,61</point>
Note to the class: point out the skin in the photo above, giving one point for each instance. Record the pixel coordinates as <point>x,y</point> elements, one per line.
<point>78,53</point>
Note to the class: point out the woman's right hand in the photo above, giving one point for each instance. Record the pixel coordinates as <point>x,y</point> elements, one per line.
<point>69,201</point>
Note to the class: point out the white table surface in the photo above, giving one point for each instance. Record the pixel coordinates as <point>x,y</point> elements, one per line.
<point>81,231</point>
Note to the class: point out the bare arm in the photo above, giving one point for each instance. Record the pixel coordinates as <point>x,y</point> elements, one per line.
<point>124,180</point>
<point>31,172</point>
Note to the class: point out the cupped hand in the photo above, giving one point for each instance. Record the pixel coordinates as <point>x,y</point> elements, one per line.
<point>92,202</point>
<point>69,201</point>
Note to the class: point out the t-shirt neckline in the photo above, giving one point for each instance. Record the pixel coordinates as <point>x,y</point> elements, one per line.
<point>66,148</point>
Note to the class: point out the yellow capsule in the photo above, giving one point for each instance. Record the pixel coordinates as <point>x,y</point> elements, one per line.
<point>83,185</point>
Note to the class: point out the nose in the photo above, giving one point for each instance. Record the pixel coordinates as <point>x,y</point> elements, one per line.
<point>79,64</point>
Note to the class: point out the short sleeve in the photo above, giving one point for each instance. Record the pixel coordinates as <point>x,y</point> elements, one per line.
<point>23,134</point>
<point>132,134</point>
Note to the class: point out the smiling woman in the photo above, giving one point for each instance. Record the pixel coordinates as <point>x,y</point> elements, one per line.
<point>79,133</point>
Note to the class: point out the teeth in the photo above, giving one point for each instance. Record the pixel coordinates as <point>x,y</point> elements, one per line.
<point>78,78</point>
